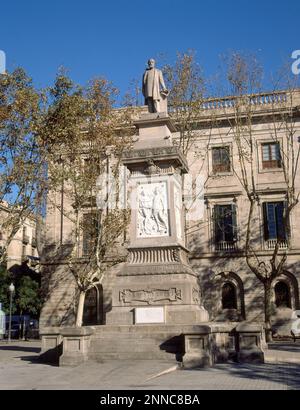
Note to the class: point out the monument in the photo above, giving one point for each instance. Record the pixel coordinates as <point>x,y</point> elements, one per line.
<point>156,306</point>
<point>157,284</point>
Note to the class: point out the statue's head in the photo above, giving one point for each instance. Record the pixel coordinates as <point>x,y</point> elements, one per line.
<point>151,63</point>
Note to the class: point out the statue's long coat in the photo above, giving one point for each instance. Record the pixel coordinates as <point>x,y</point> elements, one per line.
<point>152,88</point>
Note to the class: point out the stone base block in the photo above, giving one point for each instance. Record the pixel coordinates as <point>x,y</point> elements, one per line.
<point>251,356</point>
<point>174,315</point>
<point>196,360</point>
<point>178,292</point>
<point>198,349</point>
<point>76,342</point>
<point>51,344</point>
<point>251,342</point>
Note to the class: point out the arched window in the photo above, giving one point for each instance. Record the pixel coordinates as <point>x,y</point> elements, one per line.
<point>229,300</point>
<point>282,295</point>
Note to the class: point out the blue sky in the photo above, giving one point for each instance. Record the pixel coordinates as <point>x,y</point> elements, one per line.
<point>115,38</point>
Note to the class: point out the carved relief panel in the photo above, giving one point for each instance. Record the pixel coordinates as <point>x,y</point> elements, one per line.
<point>152,210</point>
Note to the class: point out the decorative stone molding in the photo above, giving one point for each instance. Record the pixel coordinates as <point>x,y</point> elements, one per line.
<point>170,153</point>
<point>154,255</point>
<point>151,168</point>
<point>196,296</point>
<point>158,171</point>
<point>157,269</point>
<point>150,296</point>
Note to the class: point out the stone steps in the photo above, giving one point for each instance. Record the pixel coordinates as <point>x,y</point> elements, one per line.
<point>151,329</point>
<point>135,342</point>
<point>100,356</point>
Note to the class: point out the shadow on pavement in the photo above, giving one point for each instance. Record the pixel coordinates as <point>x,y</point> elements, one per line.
<point>21,348</point>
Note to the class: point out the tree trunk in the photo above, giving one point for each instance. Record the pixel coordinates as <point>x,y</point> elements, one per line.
<point>80,307</point>
<point>268,309</point>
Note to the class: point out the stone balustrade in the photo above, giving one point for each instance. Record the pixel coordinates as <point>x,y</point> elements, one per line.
<point>271,243</point>
<point>271,99</point>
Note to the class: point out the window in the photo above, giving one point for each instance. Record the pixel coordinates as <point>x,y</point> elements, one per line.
<point>89,232</point>
<point>274,227</point>
<point>221,159</point>
<point>282,295</point>
<point>271,155</point>
<point>225,224</point>
<point>229,300</point>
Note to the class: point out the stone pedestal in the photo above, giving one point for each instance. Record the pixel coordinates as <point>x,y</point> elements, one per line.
<point>197,348</point>
<point>51,344</point>
<point>251,342</point>
<point>157,272</point>
<point>76,342</point>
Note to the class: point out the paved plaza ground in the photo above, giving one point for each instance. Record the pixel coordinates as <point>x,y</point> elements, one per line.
<point>21,369</point>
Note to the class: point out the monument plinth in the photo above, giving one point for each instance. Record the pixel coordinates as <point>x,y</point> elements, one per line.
<point>157,273</point>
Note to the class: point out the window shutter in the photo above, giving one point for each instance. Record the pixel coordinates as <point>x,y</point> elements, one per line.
<point>217,223</point>
<point>281,229</point>
<point>272,225</point>
<point>265,216</point>
<point>234,222</point>
<point>265,152</point>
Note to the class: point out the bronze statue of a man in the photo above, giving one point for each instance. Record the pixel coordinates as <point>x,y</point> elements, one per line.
<point>154,89</point>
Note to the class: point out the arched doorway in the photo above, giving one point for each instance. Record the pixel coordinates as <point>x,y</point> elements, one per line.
<point>229,298</point>
<point>93,307</point>
<point>282,295</point>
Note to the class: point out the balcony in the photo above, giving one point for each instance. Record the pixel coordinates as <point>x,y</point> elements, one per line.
<point>226,246</point>
<point>271,243</point>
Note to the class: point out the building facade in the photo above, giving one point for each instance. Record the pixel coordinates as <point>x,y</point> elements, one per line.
<point>223,134</point>
<point>23,246</point>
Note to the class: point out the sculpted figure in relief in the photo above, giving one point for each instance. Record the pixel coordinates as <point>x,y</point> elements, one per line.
<point>159,212</point>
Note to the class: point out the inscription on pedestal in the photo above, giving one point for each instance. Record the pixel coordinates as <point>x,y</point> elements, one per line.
<point>150,315</point>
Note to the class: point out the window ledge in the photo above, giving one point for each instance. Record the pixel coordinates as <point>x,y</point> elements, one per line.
<point>268,170</point>
<point>223,174</point>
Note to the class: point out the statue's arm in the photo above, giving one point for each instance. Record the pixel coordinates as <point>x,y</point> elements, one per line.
<point>161,80</point>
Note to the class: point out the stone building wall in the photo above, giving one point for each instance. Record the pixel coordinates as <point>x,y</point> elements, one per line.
<point>23,246</point>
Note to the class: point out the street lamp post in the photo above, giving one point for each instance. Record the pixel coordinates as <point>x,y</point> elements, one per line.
<point>11,289</point>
